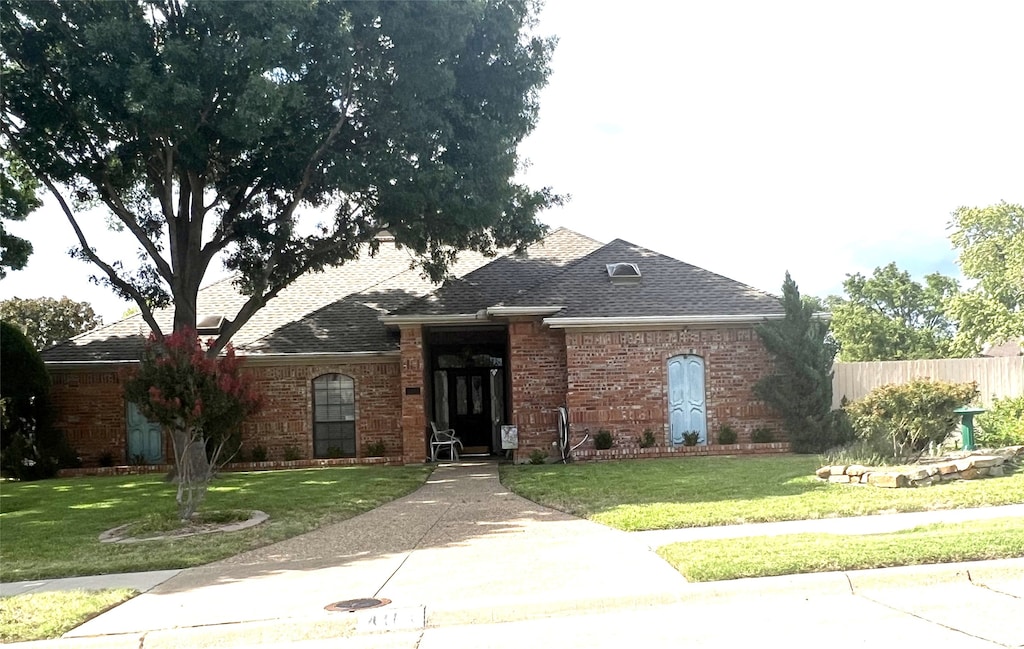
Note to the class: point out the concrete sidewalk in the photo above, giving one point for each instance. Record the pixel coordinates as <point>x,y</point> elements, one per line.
<point>460,550</point>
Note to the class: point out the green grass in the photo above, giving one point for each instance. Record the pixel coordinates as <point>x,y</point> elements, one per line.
<point>698,492</point>
<point>762,556</point>
<point>40,616</point>
<point>50,527</point>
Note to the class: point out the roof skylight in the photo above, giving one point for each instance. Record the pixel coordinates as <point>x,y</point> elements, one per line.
<point>623,273</point>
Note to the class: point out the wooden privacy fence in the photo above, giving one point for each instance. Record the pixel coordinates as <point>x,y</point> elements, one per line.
<point>996,377</point>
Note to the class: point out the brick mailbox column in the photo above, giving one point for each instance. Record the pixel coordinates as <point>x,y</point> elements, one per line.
<point>414,419</point>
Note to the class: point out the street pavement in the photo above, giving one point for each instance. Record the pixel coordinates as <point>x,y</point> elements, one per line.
<point>465,563</point>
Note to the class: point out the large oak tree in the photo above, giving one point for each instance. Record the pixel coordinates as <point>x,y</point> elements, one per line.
<point>206,128</point>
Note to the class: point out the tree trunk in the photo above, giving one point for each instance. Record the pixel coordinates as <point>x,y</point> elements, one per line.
<point>193,469</point>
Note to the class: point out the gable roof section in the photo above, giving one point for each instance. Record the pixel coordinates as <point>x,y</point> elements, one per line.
<point>345,299</point>
<point>667,288</point>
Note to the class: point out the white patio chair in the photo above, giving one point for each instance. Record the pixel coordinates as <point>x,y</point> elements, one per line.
<point>441,439</point>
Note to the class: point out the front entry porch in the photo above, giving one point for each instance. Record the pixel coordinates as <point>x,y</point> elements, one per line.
<point>467,384</point>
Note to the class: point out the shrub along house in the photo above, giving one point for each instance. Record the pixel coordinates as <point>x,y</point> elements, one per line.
<point>364,356</point>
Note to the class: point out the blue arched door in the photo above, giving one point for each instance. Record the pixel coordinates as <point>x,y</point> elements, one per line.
<point>686,406</point>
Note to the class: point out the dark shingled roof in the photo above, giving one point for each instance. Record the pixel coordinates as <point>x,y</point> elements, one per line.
<point>667,287</point>
<point>339,310</point>
<point>505,277</point>
<point>295,320</point>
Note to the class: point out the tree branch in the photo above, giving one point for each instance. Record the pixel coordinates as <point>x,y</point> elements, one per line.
<point>115,279</point>
<point>113,201</point>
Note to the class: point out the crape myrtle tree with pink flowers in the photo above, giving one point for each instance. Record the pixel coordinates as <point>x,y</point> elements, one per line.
<point>200,399</point>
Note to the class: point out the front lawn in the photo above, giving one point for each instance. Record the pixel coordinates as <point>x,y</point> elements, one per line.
<point>40,616</point>
<point>697,492</point>
<point>50,527</point>
<point>761,556</point>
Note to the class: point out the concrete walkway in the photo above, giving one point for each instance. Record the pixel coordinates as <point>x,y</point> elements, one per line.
<point>460,550</point>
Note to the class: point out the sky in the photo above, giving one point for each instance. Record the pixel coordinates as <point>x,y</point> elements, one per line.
<point>745,137</point>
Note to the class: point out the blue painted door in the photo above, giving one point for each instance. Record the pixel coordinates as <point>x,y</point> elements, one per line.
<point>686,408</point>
<point>145,438</point>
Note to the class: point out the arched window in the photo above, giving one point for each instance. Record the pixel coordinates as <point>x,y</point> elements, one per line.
<point>334,416</point>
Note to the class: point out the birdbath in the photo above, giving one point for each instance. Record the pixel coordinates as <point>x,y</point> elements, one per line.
<point>967,425</point>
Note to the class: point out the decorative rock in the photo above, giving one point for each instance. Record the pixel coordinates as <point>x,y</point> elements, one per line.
<point>985,461</point>
<point>946,468</point>
<point>889,480</point>
<point>915,476</point>
<point>856,469</point>
<point>970,473</point>
<point>839,478</point>
<point>837,469</point>
<point>995,471</point>
<point>824,472</point>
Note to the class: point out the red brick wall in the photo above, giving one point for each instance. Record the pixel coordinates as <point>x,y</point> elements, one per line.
<point>537,371</point>
<point>286,419</point>
<point>413,413</point>
<point>90,408</point>
<point>618,381</point>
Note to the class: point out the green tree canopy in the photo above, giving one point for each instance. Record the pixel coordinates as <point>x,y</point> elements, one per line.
<point>47,321</point>
<point>990,241</point>
<point>888,316</point>
<point>206,129</point>
<point>18,198</point>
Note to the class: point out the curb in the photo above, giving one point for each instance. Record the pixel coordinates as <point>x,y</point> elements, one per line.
<point>414,617</point>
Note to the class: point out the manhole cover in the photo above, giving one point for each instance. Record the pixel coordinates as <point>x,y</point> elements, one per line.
<point>353,605</point>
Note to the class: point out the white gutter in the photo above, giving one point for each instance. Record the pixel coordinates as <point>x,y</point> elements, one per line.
<point>509,311</point>
<point>317,357</point>
<point>88,365</point>
<point>457,318</point>
<point>647,321</point>
<point>249,359</point>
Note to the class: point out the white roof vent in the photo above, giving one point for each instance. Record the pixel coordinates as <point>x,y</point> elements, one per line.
<point>623,273</point>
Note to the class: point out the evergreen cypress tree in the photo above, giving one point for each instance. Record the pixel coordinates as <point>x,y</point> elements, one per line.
<point>801,387</point>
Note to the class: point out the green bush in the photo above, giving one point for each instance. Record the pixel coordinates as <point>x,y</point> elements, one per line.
<point>291,453</point>
<point>691,438</point>
<point>375,449</point>
<point>30,447</point>
<point>258,453</point>
<point>726,434</point>
<point>603,440</point>
<point>762,436</point>
<point>538,456</point>
<point>647,439</point>
<point>1003,424</point>
<point>901,420</point>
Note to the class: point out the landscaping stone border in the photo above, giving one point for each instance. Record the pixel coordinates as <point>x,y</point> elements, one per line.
<point>968,467</point>
<point>116,535</point>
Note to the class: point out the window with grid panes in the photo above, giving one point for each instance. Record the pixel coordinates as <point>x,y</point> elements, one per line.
<point>334,416</point>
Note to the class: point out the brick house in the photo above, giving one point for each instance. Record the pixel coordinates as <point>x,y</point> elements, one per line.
<point>370,352</point>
